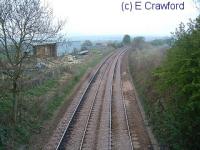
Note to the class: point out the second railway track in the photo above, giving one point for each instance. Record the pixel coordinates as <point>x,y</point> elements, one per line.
<point>120,126</point>
<point>99,120</point>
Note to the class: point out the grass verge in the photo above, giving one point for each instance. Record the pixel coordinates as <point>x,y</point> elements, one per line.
<point>40,105</point>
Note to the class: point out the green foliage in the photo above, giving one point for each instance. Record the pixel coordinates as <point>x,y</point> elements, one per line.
<point>40,104</point>
<point>158,42</point>
<point>115,44</point>
<point>138,38</point>
<point>170,94</point>
<point>180,76</point>
<point>42,89</point>
<point>138,42</point>
<point>126,39</point>
<point>86,44</point>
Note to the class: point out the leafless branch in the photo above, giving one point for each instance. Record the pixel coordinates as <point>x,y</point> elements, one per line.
<point>22,22</point>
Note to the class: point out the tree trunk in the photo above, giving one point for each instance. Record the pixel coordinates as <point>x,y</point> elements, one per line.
<point>15,102</point>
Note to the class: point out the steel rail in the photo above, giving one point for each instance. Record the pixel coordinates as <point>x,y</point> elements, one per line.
<point>81,100</point>
<point>91,108</point>
<point>125,109</point>
<point>110,104</point>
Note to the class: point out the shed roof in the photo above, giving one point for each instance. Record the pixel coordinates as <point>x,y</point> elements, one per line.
<point>43,43</point>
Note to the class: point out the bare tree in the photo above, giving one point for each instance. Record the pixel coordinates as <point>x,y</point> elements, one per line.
<point>21,23</point>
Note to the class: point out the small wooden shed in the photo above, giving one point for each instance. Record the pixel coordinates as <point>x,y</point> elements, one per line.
<point>44,50</point>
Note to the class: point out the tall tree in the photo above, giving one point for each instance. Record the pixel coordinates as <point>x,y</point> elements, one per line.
<point>126,39</point>
<point>21,23</point>
<point>179,76</point>
<point>138,42</point>
<point>86,44</point>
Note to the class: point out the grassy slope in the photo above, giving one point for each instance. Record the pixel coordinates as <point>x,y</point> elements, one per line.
<point>142,63</point>
<point>36,115</point>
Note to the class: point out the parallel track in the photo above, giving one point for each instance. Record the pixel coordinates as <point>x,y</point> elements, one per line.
<point>109,65</point>
<point>73,116</point>
<point>121,131</point>
<point>125,109</point>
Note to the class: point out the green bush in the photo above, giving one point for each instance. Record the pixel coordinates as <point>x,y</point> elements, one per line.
<point>168,83</point>
<point>179,76</point>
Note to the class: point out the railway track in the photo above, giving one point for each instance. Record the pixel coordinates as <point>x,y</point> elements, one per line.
<point>76,126</point>
<point>99,120</point>
<point>120,128</point>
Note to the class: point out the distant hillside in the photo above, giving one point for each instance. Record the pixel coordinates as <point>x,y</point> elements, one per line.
<point>100,38</point>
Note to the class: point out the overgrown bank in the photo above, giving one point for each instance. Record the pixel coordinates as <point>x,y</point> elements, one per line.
<point>41,103</point>
<point>168,85</point>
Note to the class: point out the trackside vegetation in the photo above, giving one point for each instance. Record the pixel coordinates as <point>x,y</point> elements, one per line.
<point>41,105</point>
<point>168,82</point>
<point>179,76</point>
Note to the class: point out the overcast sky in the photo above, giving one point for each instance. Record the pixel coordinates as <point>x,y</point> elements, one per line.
<point>105,17</point>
